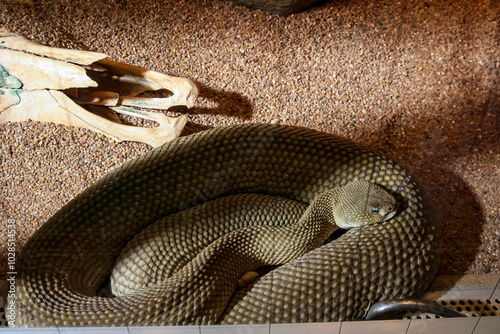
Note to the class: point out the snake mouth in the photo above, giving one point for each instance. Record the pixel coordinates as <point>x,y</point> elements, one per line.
<point>389,215</point>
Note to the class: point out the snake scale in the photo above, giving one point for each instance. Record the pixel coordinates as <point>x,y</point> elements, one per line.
<point>64,264</point>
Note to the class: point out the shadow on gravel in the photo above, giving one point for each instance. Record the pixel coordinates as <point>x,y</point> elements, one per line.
<point>439,151</point>
<point>216,103</point>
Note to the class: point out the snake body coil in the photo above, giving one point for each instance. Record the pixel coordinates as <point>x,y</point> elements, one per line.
<point>63,265</point>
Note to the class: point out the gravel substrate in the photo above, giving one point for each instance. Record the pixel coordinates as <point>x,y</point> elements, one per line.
<point>417,80</point>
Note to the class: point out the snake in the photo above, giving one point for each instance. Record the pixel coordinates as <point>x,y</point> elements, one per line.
<point>235,224</point>
<point>65,263</point>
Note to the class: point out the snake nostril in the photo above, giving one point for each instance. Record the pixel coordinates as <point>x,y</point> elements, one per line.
<point>390,209</point>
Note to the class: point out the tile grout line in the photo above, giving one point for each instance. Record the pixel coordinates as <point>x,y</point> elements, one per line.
<point>491,297</point>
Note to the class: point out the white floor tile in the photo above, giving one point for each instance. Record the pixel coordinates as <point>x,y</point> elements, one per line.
<point>235,329</point>
<point>443,326</point>
<point>312,328</point>
<point>165,330</point>
<point>488,325</point>
<point>375,327</point>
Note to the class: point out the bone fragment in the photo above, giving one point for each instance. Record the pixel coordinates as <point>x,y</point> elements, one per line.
<point>98,98</point>
<point>56,107</point>
<point>38,72</point>
<point>16,42</point>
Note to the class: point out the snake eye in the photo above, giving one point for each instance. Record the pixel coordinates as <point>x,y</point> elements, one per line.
<point>375,210</point>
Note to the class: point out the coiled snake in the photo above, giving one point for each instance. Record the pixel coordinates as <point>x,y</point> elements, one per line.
<point>65,263</point>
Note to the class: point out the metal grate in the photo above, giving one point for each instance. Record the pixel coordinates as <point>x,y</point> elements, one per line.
<point>474,307</point>
<point>468,307</point>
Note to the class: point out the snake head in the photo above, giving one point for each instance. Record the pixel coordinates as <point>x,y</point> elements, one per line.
<point>363,203</point>
<point>382,205</point>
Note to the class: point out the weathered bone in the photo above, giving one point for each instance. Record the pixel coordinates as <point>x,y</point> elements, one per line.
<point>48,84</point>
<point>109,99</point>
<point>43,73</point>
<point>16,42</point>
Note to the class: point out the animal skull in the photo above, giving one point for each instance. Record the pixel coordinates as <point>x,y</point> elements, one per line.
<point>56,85</point>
